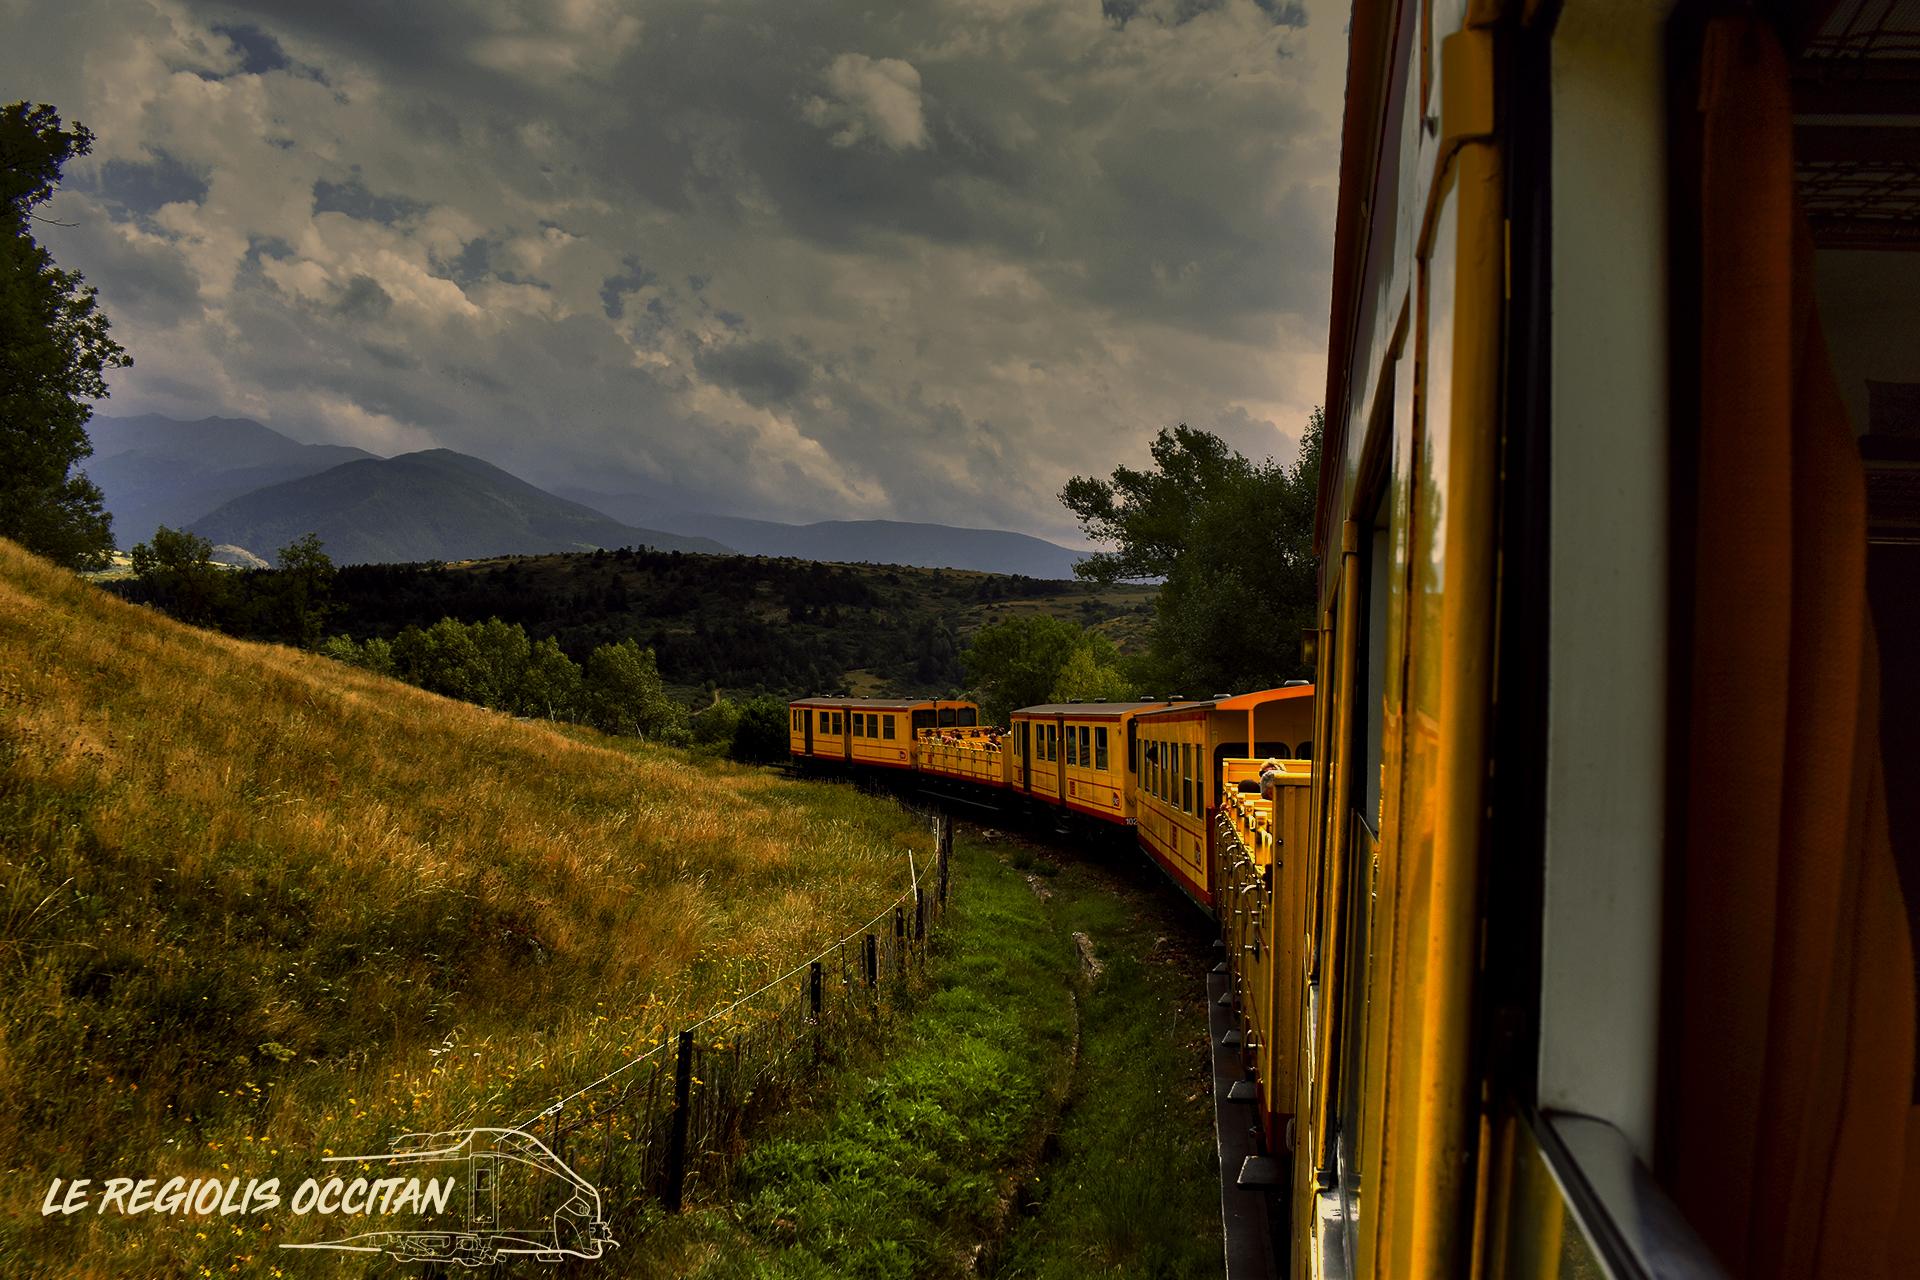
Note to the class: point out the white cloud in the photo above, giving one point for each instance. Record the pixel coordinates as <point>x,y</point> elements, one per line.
<point>877,97</point>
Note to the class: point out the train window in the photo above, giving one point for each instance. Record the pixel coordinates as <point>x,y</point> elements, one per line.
<point>1186,777</point>
<point>1370,714</point>
<point>923,720</point>
<point>886,727</point>
<point>839,722</point>
<point>969,716</point>
<point>1304,751</point>
<point>1100,748</point>
<point>1053,742</point>
<point>948,717</point>
<point>1073,756</point>
<point>1086,750</point>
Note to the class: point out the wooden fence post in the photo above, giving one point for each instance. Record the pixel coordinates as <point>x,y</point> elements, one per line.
<point>677,1137</point>
<point>945,843</point>
<point>900,942</point>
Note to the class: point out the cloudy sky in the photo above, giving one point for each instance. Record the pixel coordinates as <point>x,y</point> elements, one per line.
<point>827,259</point>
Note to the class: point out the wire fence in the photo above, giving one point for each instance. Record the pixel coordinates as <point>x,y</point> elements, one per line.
<point>674,1118</point>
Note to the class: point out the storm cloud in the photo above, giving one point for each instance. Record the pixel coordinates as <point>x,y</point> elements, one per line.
<point>793,261</point>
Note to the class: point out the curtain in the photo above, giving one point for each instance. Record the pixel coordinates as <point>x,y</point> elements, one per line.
<point>1793,1036</point>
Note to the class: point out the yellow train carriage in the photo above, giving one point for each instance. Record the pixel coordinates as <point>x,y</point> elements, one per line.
<point>877,732</point>
<point>1179,752</point>
<point>1262,839</point>
<point>1614,862</point>
<point>1075,756</point>
<point>977,754</point>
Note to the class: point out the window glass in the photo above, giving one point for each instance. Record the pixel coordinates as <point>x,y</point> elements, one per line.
<point>886,727</point>
<point>1186,776</point>
<point>969,716</point>
<point>1086,751</point>
<point>1053,743</point>
<point>1073,756</point>
<point>923,720</point>
<point>947,717</point>
<point>1100,747</point>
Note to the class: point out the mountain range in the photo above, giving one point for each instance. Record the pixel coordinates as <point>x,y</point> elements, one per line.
<point>156,471</point>
<point>904,542</point>
<point>431,505</point>
<point>235,481</point>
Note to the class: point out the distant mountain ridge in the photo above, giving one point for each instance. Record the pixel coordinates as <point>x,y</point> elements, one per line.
<point>433,505</point>
<point>921,545</point>
<point>154,470</point>
<point>227,478</point>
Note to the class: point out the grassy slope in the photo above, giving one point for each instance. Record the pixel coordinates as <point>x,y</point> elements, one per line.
<point>1029,1121</point>
<point>255,905</point>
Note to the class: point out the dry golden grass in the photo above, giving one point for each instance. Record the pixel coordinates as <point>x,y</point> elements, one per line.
<point>256,907</point>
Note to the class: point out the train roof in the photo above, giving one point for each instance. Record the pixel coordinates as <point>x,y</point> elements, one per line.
<point>879,704</point>
<point>1241,701</point>
<point>1089,710</point>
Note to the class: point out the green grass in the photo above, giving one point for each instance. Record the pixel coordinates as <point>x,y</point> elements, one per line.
<point>1028,1121</point>
<point>257,907</point>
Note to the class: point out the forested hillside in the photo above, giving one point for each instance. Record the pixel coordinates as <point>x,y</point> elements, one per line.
<point>743,623</point>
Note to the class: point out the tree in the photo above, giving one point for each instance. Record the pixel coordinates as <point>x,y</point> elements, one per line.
<point>1232,543</point>
<point>551,686</point>
<point>443,659</point>
<point>1092,673</point>
<point>760,737</point>
<point>176,573</point>
<point>715,724</point>
<point>624,693</point>
<point>54,355</point>
<point>294,603</point>
<point>1016,663</point>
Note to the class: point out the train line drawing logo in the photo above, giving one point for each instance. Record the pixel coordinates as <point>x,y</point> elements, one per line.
<point>511,1198</point>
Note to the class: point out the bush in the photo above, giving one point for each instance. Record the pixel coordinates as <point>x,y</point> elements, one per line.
<point>624,694</point>
<point>714,726</point>
<point>760,734</point>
